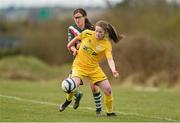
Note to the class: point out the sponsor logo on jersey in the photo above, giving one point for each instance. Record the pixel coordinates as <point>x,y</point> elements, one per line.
<point>89,50</point>
<point>98,47</point>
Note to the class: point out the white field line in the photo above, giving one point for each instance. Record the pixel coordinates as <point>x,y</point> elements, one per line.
<point>86,108</point>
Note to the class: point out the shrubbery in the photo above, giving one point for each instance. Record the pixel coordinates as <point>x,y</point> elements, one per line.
<point>149,55</point>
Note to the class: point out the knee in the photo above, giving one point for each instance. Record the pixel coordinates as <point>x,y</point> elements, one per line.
<point>108,91</point>
<point>77,80</point>
<point>94,88</point>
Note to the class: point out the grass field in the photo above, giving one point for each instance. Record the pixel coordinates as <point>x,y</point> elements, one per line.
<point>24,101</point>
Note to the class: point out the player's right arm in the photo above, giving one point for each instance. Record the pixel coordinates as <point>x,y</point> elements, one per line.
<point>76,39</point>
<point>72,42</point>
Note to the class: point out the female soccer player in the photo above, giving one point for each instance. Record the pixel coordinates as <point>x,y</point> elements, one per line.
<point>94,44</point>
<point>81,22</point>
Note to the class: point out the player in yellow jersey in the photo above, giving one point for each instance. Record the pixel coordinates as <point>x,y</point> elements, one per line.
<point>81,23</point>
<point>94,44</point>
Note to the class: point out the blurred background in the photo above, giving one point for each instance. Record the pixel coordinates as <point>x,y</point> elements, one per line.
<point>33,39</point>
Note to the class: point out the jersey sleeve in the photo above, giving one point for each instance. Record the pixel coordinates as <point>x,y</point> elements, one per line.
<point>108,50</point>
<point>70,35</point>
<point>82,35</point>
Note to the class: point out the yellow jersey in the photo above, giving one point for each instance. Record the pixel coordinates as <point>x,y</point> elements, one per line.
<point>91,50</point>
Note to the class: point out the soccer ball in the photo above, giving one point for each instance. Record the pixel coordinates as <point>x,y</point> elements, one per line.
<point>68,85</point>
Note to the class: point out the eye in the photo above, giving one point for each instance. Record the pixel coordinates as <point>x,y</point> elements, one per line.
<point>78,17</point>
<point>100,31</point>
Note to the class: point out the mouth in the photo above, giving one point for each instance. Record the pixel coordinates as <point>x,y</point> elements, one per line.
<point>77,22</point>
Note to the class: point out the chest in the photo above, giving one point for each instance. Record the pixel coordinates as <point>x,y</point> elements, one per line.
<point>93,45</point>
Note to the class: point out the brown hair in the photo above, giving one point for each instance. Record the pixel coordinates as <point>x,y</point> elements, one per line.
<point>110,30</point>
<point>88,24</point>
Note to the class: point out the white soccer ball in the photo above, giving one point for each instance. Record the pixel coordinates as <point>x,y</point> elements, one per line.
<point>68,85</point>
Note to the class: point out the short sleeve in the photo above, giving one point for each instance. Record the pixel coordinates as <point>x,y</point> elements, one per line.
<point>108,50</point>
<point>82,35</point>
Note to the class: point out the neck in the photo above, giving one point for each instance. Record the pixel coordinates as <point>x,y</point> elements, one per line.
<point>81,26</point>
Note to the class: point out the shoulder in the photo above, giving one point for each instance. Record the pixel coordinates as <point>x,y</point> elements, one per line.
<point>74,29</point>
<point>88,32</point>
<point>72,26</point>
<point>107,42</point>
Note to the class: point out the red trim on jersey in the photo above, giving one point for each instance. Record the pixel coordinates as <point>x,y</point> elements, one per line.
<point>74,33</point>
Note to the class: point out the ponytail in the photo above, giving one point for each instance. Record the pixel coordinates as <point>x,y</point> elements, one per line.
<point>88,24</point>
<point>113,35</point>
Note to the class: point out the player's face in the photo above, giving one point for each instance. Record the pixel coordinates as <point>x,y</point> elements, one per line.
<point>99,32</point>
<point>79,19</point>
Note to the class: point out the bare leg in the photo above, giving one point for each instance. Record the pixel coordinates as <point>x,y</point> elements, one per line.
<point>108,99</point>
<point>105,87</point>
<point>69,97</point>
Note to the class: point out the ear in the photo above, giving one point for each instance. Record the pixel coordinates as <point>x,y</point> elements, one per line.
<point>85,17</point>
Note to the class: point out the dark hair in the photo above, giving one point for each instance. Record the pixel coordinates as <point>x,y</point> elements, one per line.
<point>110,30</point>
<point>88,24</point>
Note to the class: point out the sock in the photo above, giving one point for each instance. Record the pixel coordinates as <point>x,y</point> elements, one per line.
<point>108,100</point>
<point>97,100</point>
<point>77,94</point>
<point>69,96</point>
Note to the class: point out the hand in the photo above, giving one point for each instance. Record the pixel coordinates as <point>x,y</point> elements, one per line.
<point>69,49</point>
<point>78,46</point>
<point>121,36</point>
<point>75,52</point>
<point>116,74</point>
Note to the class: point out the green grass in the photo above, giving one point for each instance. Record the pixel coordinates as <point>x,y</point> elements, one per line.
<point>38,101</point>
<point>31,68</point>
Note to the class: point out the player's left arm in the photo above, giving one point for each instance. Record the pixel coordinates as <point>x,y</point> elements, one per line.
<point>109,56</point>
<point>113,67</point>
